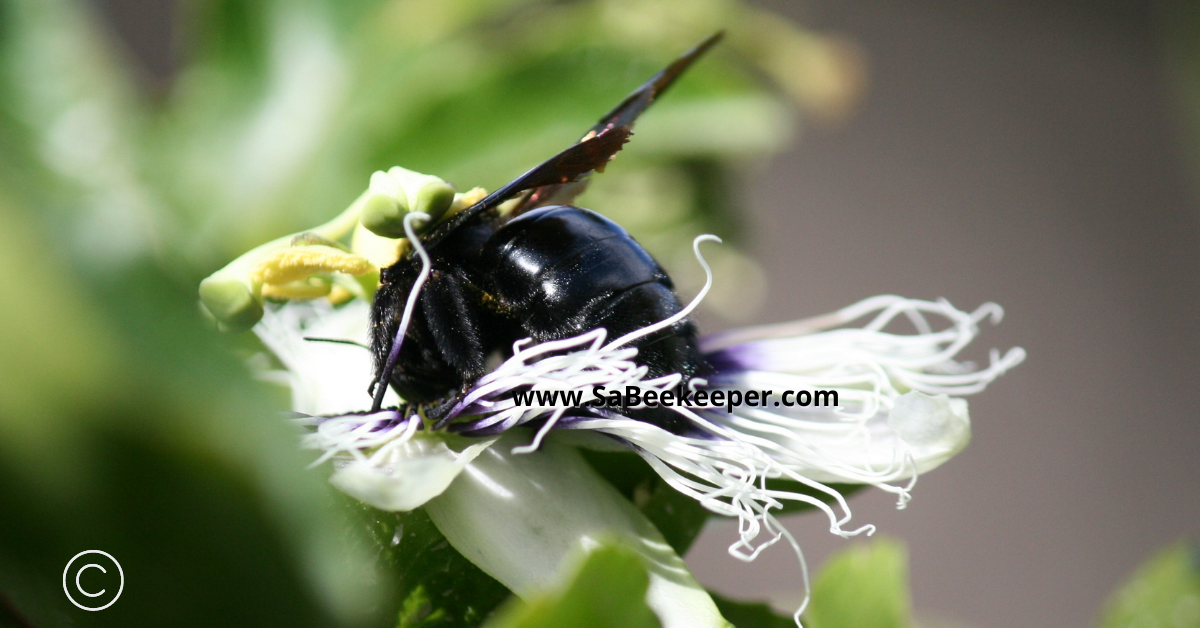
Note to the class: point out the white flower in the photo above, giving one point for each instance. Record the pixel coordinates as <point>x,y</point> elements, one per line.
<point>898,414</point>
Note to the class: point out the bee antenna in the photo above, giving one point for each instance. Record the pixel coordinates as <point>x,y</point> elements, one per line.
<point>337,341</point>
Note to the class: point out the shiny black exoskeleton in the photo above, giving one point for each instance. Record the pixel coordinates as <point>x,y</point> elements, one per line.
<point>544,271</point>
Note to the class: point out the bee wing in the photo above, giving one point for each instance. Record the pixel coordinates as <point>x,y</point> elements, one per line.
<point>562,169</point>
<point>624,114</point>
<point>563,177</point>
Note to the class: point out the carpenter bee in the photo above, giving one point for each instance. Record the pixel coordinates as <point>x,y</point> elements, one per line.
<point>545,270</point>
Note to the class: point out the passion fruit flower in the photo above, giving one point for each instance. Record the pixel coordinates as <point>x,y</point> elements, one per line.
<point>519,503</point>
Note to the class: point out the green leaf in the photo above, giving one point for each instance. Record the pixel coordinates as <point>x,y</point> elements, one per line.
<point>865,586</point>
<point>1165,591</point>
<point>751,614</point>
<point>609,590</point>
<point>438,587</point>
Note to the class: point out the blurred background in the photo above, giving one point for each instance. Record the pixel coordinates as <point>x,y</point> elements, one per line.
<point>1039,155</point>
<point>1042,155</point>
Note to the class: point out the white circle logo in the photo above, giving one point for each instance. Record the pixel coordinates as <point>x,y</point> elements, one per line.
<point>99,580</point>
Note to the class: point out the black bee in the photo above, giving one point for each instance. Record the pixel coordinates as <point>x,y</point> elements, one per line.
<point>546,270</point>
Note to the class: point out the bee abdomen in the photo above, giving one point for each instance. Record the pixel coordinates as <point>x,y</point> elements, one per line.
<point>560,267</point>
<point>564,270</point>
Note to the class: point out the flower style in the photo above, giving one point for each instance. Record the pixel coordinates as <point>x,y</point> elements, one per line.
<point>517,502</point>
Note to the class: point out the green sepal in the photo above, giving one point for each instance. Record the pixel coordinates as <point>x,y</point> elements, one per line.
<point>751,614</point>
<point>438,587</point>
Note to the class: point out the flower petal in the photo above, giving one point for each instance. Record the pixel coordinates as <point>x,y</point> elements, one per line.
<point>325,377</point>
<point>415,473</point>
<point>523,518</point>
<point>935,427</point>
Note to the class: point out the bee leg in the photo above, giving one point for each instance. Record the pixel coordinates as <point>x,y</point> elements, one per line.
<point>439,411</point>
<point>454,316</point>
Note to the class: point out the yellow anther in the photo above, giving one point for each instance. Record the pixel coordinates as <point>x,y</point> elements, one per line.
<point>298,263</point>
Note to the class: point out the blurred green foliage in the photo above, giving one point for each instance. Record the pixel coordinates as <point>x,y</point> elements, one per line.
<point>865,586</point>
<point>609,590</point>
<point>128,425</point>
<point>1164,593</point>
<point>862,586</point>
<point>1176,23</point>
